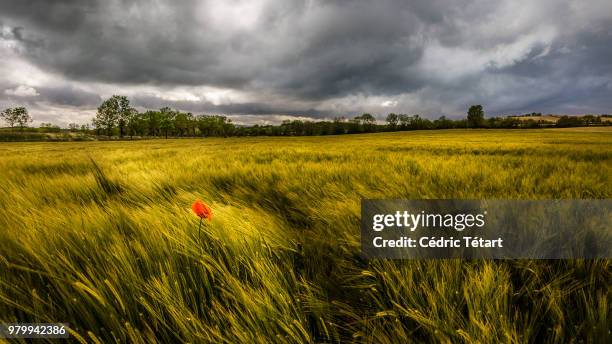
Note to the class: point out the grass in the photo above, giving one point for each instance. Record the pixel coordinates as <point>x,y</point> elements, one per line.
<point>100,235</point>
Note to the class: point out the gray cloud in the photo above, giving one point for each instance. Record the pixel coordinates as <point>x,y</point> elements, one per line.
<point>321,58</point>
<point>254,108</point>
<point>70,96</point>
<point>61,95</point>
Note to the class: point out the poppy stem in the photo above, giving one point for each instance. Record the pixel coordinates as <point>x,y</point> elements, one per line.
<point>200,226</point>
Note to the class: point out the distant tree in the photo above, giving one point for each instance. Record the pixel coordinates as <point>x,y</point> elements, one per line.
<point>114,112</point>
<point>191,124</point>
<point>22,118</point>
<point>153,119</point>
<point>404,120</point>
<point>392,119</point>
<point>49,128</point>
<point>166,123</point>
<point>339,126</point>
<point>9,117</point>
<point>124,112</point>
<point>228,126</point>
<point>590,119</point>
<point>569,121</point>
<point>135,123</point>
<point>443,123</point>
<point>475,116</point>
<point>366,120</point>
<point>181,123</point>
<point>96,125</point>
<point>73,127</point>
<point>108,115</point>
<point>221,126</point>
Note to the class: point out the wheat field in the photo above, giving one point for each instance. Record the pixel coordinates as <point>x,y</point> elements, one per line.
<point>101,235</point>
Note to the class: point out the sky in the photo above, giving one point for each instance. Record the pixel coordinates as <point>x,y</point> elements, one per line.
<point>263,61</point>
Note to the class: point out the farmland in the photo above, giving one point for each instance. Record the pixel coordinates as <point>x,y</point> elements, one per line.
<point>100,235</point>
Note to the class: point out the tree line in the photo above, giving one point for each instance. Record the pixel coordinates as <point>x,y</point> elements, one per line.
<point>367,123</point>
<point>115,117</point>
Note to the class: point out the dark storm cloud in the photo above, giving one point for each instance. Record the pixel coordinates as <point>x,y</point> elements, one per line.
<point>114,41</point>
<point>576,74</point>
<point>68,95</point>
<point>432,57</point>
<point>152,102</point>
<point>342,47</point>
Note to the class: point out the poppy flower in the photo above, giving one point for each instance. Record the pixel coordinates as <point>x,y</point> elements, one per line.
<point>202,210</point>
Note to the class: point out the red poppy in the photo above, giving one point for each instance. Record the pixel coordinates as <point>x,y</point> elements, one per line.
<point>202,210</point>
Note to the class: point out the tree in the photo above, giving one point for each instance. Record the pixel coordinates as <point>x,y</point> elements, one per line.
<point>73,127</point>
<point>191,124</point>
<point>18,115</point>
<point>418,123</point>
<point>181,123</point>
<point>404,120</point>
<point>8,116</point>
<point>367,120</point>
<point>124,112</point>
<point>114,112</point>
<point>107,116</point>
<point>47,127</point>
<point>392,119</point>
<point>135,123</point>
<point>475,116</point>
<point>167,120</point>
<point>153,119</point>
<point>443,123</point>
<point>339,126</point>
<point>22,118</point>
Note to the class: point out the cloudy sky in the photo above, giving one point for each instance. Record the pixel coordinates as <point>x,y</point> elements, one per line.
<point>265,60</point>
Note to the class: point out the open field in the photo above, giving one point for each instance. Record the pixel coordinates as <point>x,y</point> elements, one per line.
<point>101,235</point>
<point>584,129</point>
